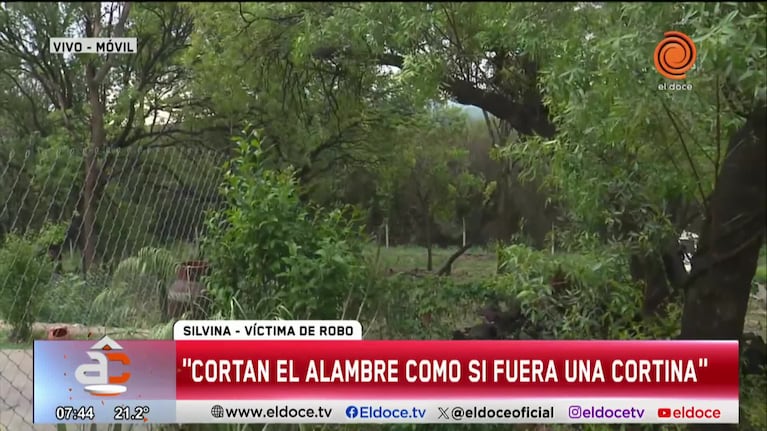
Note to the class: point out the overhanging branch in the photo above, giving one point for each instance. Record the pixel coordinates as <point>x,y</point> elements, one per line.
<point>528,117</point>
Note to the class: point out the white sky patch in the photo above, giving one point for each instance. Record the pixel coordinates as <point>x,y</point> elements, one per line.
<point>584,5</point>
<point>388,70</point>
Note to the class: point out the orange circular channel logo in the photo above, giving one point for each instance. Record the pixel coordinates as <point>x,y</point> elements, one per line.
<point>675,55</point>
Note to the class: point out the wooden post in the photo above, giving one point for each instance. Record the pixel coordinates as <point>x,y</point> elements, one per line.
<point>553,238</point>
<point>386,233</point>
<point>463,242</point>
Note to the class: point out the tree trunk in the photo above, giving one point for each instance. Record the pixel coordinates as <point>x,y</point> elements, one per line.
<point>724,265</point>
<point>659,272</point>
<point>728,252</point>
<point>428,243</point>
<point>650,272</point>
<point>90,200</point>
<point>94,78</point>
<point>463,231</point>
<point>725,262</point>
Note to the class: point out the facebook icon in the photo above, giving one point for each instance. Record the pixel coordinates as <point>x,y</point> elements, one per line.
<point>352,412</point>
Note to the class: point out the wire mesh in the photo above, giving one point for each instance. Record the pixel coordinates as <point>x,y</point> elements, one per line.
<point>150,205</point>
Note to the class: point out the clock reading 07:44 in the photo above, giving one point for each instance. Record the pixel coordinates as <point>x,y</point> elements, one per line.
<point>75,413</point>
<point>125,413</point>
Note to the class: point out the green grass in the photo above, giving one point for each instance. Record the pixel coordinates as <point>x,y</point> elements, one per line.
<point>6,344</point>
<point>475,264</point>
<point>761,269</point>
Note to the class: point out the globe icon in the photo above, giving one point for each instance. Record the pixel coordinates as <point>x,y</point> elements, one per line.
<point>217,411</point>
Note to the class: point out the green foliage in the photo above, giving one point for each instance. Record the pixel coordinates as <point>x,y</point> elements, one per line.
<point>753,415</point>
<point>425,308</point>
<point>151,269</point>
<point>25,272</point>
<point>431,169</point>
<point>312,117</point>
<point>560,296</point>
<point>70,299</point>
<point>571,296</point>
<point>131,295</point>
<point>267,249</point>
<point>143,278</point>
<point>630,160</point>
<point>761,269</point>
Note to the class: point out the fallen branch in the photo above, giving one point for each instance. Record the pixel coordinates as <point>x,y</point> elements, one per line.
<point>448,266</point>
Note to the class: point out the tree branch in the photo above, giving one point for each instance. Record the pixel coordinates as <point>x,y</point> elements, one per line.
<point>448,266</point>
<point>118,32</point>
<point>528,117</point>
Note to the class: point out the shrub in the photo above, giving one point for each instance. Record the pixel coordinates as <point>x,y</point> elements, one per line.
<point>25,274</point>
<point>132,296</point>
<point>753,415</point>
<point>69,299</point>
<point>425,307</point>
<point>139,285</point>
<point>270,251</point>
<point>568,295</point>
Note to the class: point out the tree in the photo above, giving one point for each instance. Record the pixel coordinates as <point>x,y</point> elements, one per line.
<point>432,166</point>
<point>317,117</point>
<point>734,231</point>
<point>95,77</point>
<point>366,52</point>
<point>637,182</point>
<point>110,102</point>
<point>649,178</point>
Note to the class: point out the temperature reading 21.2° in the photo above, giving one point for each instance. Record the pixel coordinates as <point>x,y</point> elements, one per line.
<point>125,413</point>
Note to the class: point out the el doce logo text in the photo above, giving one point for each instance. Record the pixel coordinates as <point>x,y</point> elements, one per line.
<point>675,55</point>
<point>689,413</point>
<point>95,374</point>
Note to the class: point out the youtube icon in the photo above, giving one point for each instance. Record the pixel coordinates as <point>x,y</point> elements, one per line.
<point>664,413</point>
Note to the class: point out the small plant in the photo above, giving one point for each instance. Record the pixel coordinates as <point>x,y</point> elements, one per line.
<point>135,294</point>
<point>147,275</point>
<point>25,274</point>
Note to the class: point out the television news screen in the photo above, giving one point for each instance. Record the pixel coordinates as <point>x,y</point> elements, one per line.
<point>374,216</point>
<point>324,372</point>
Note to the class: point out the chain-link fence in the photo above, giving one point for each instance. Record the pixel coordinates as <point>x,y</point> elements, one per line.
<point>87,250</point>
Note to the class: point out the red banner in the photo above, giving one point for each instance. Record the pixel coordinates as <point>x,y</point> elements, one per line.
<point>262,370</point>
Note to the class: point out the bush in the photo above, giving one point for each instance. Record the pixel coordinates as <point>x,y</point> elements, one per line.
<point>572,296</point>
<point>25,274</point>
<point>541,295</point>
<point>753,415</point>
<point>69,299</point>
<point>271,254</point>
<point>423,308</point>
<point>139,286</point>
<point>132,296</point>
